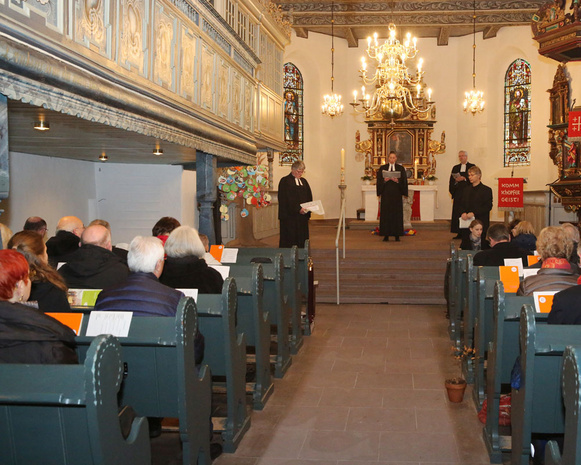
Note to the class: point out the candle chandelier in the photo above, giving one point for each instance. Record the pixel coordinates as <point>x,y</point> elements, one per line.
<point>474,99</point>
<point>397,92</point>
<point>332,105</point>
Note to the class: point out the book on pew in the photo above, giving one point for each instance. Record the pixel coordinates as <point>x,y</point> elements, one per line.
<point>72,320</point>
<point>515,262</point>
<point>544,301</point>
<point>115,323</point>
<point>509,277</point>
<point>193,293</point>
<point>532,259</point>
<point>223,270</point>
<point>83,297</point>
<point>229,255</point>
<point>216,252</point>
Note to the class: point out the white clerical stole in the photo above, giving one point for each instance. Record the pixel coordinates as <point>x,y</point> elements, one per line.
<point>298,182</point>
<point>462,168</point>
<point>391,167</point>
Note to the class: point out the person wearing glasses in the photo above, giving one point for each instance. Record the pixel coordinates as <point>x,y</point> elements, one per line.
<point>293,190</point>
<point>36,224</point>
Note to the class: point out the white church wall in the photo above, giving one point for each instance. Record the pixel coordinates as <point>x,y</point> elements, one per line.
<point>448,71</point>
<point>47,187</point>
<point>134,197</point>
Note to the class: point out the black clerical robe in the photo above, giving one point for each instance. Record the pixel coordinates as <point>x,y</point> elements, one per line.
<point>294,227</point>
<point>390,194</point>
<point>457,189</point>
<point>478,200</point>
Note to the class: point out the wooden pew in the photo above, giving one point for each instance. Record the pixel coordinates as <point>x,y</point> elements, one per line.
<point>468,317</point>
<point>56,414</point>
<point>225,354</point>
<point>456,286</point>
<point>537,407</point>
<point>305,276</point>
<point>253,321</point>
<point>503,349</point>
<point>484,324</point>
<point>291,284</point>
<point>162,379</point>
<point>570,381</point>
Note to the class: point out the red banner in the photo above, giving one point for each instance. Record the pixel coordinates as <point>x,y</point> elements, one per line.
<point>574,129</point>
<point>510,193</point>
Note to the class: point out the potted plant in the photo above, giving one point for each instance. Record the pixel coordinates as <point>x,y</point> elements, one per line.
<point>366,179</point>
<point>431,179</point>
<point>455,388</point>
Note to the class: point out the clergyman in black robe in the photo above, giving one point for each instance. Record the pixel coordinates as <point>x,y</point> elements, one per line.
<point>476,201</point>
<point>457,187</point>
<point>293,190</point>
<point>390,191</point>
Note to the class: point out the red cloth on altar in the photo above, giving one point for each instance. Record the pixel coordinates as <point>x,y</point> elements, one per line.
<point>416,215</point>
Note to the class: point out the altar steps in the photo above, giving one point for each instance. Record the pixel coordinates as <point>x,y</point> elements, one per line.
<point>383,275</point>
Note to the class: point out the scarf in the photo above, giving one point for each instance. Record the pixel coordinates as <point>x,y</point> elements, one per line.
<point>476,242</point>
<point>560,263</point>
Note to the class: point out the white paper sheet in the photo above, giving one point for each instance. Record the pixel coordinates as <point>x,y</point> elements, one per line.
<point>529,272</point>
<point>540,298</point>
<point>464,224</point>
<point>193,293</point>
<point>115,323</point>
<point>316,206</point>
<point>515,262</point>
<point>223,270</point>
<point>229,255</point>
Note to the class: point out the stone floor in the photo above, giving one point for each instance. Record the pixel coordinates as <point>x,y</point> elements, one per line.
<point>367,388</point>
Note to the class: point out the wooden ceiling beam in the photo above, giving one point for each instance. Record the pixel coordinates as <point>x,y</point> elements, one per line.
<point>443,36</point>
<point>302,32</point>
<point>351,39</point>
<point>490,32</point>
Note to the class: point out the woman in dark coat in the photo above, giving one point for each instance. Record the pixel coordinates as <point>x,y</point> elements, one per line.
<point>390,191</point>
<point>48,287</point>
<point>293,190</point>
<point>477,202</point>
<point>26,334</point>
<point>184,267</point>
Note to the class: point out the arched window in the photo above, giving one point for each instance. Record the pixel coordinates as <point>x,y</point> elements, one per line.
<point>517,114</point>
<point>293,115</point>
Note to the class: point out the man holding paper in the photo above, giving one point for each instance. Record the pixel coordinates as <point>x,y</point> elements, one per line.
<point>294,190</point>
<point>457,188</point>
<point>391,186</point>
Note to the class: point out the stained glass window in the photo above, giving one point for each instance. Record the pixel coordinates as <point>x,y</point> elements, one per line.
<point>517,114</point>
<point>293,115</point>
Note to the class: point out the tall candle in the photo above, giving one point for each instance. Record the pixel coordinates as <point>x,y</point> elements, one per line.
<point>342,159</point>
<point>416,169</point>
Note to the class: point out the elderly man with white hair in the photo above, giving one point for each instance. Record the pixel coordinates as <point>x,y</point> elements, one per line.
<point>142,293</point>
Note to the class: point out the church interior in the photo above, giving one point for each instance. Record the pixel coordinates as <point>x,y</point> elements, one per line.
<point>139,109</point>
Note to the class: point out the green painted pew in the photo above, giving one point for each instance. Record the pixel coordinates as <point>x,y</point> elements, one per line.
<point>468,316</point>
<point>570,382</point>
<point>537,407</point>
<point>253,321</point>
<point>225,354</point>
<point>162,379</point>
<point>456,296</point>
<point>68,414</point>
<point>503,349</point>
<point>291,283</point>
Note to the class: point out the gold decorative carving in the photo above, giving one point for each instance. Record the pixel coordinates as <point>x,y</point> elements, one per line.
<point>223,88</point>
<point>236,99</point>
<point>248,105</point>
<point>163,49</point>
<point>131,51</point>
<point>188,52</point>
<point>91,22</point>
<point>207,71</point>
<point>277,14</point>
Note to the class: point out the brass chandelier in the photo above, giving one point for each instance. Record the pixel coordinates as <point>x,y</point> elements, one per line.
<point>332,105</point>
<point>474,99</point>
<point>397,92</point>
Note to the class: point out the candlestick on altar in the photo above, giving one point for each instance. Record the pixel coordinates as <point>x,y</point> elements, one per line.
<point>416,169</point>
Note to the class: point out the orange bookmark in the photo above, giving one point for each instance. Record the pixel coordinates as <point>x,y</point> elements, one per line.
<point>509,277</point>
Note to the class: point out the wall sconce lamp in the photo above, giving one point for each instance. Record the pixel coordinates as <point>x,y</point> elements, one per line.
<point>157,151</point>
<point>41,125</point>
<point>103,157</point>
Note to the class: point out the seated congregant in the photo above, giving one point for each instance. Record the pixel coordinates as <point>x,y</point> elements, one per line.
<point>572,232</point>
<point>473,241</point>
<point>94,265</point>
<point>524,237</point>
<point>121,252</point>
<point>37,225</point>
<point>501,248</point>
<point>208,257</point>
<point>5,235</point>
<point>185,268</point>
<point>164,227</point>
<point>566,309</point>
<point>27,335</point>
<point>48,287</point>
<point>65,241</point>
<point>556,273</point>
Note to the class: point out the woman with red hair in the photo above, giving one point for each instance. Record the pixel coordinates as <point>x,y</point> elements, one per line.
<point>26,334</point>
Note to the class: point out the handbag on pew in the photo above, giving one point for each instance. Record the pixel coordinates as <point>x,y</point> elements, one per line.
<point>503,411</point>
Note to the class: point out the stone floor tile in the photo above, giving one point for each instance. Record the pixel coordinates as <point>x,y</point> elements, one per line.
<point>320,418</point>
<point>346,445</point>
<point>418,447</point>
<point>373,419</point>
<point>333,396</point>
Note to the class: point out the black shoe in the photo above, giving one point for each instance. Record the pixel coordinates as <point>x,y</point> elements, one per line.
<point>154,426</point>
<point>386,239</point>
<point>396,238</point>
<point>215,450</point>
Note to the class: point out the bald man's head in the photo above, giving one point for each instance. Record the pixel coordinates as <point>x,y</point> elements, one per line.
<point>97,235</point>
<point>71,224</point>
